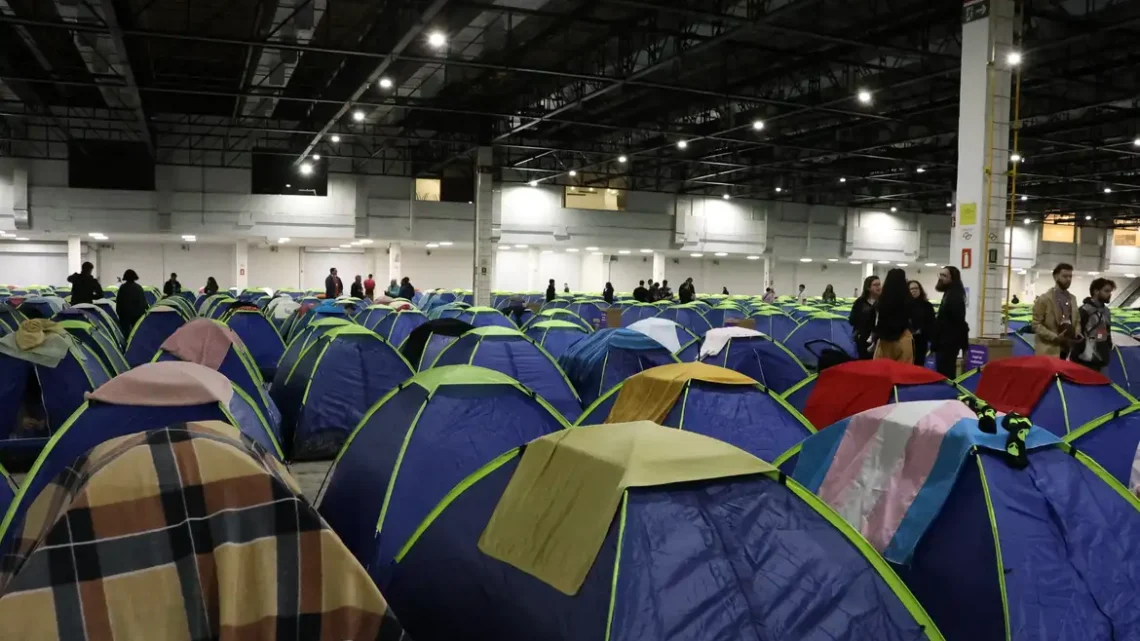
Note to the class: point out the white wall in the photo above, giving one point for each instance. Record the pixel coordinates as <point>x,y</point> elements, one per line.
<point>449,269</point>
<point>155,262</point>
<point>34,263</point>
<point>274,267</point>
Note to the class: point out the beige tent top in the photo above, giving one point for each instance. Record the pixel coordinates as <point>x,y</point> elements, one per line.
<point>553,516</point>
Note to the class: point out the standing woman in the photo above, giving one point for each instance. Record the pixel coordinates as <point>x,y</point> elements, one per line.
<point>862,317</point>
<point>130,303</point>
<point>829,294</point>
<point>608,293</point>
<point>923,321</point>
<point>894,316</point>
<point>211,287</point>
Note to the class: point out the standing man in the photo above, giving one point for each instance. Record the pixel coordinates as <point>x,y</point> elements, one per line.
<point>686,291</point>
<point>172,286</point>
<point>84,287</point>
<point>951,331</point>
<point>333,286</point>
<point>1053,316</point>
<point>801,297</point>
<point>369,287</point>
<point>1096,326</point>
<point>550,291</point>
<point>640,294</point>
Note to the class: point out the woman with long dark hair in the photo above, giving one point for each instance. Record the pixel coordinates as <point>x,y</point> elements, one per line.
<point>923,321</point>
<point>862,317</point>
<point>894,316</point>
<point>951,331</point>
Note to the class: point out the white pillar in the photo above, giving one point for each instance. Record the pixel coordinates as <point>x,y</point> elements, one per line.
<point>396,263</point>
<point>74,254</point>
<point>241,261</point>
<point>533,278</point>
<point>658,267</point>
<point>484,259</point>
<point>983,144</point>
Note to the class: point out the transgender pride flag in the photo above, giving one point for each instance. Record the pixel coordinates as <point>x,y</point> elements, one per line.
<point>888,471</point>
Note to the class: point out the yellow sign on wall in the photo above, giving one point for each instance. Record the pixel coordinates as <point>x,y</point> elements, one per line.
<point>968,214</point>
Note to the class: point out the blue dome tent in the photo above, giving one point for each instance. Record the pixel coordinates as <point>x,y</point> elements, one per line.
<point>305,317</point>
<point>608,357</point>
<point>670,334</point>
<point>102,345</point>
<point>1058,395</point>
<point>635,552</point>
<point>372,316</point>
<point>419,442</point>
<point>424,344</point>
<point>770,321</point>
<point>708,400</point>
<point>298,345</point>
<point>149,332</point>
<point>510,352</point>
<point>36,399</point>
<point>151,396</point>
<point>818,332</point>
<point>593,312</point>
<point>395,328</point>
<point>261,340</point>
<point>108,317</point>
<point>1036,538</point>
<point>10,319</point>
<point>753,354</point>
<point>331,387</point>
<point>850,388</point>
<point>687,316</point>
<point>214,345</point>
<point>484,317</point>
<point>559,315</point>
<point>556,337</point>
<point>721,315</point>
<point>1113,441</point>
<point>633,312</point>
<point>1124,363</point>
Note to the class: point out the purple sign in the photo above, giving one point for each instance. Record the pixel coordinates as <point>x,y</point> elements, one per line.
<point>976,356</point>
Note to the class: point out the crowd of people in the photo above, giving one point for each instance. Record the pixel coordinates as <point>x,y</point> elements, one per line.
<point>366,288</point>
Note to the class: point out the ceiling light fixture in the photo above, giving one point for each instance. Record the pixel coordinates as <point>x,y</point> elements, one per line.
<point>833,260</point>
<point>1013,58</point>
<point>805,260</point>
<point>385,83</point>
<point>697,255</point>
<point>591,249</point>
<point>682,144</point>
<point>1108,190</point>
<point>901,264</point>
<point>573,173</point>
<point>1088,216</point>
<point>842,180</point>
<point>189,238</point>
<point>22,238</point>
<point>721,254</point>
<point>445,243</point>
<point>779,189</point>
<point>753,258</point>
<point>548,251</point>
<point>306,169</point>
<point>1028,220</point>
<point>930,265</point>
<point>437,39</point>
<point>432,245</point>
<point>358,115</point>
<point>1094,273</point>
<point>884,262</point>
<point>894,209</point>
<point>623,159</point>
<point>948,205</point>
<point>646,251</point>
<point>504,248</point>
<point>335,139</point>
<point>1130,275</point>
<point>521,246</point>
<point>864,96</point>
<point>282,241</point>
<point>856,262</point>
<point>1136,142</point>
<point>1024,198</point>
<point>95,234</point>
<point>595,253</point>
<point>288,186</point>
<point>1015,157</point>
<point>349,246</point>
<point>316,156</point>
<point>572,250</point>
<point>533,183</point>
<point>624,251</point>
<point>758,125</point>
<point>727,196</point>
<point>921,170</point>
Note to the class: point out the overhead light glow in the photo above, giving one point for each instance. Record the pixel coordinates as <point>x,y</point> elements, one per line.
<point>682,144</point>
<point>623,159</point>
<point>805,260</point>
<point>306,169</point>
<point>1108,190</point>
<point>1130,275</point>
<point>595,253</point>
<point>1024,198</point>
<point>856,262</point>
<point>95,234</point>
<point>573,173</point>
<point>444,243</point>
<point>521,246</point>
<point>753,258</point>
<point>358,115</point>
<point>842,180</point>
<point>504,248</point>
<point>727,196</point>
<point>758,125</point>
<point>623,251</point>
<point>1094,273</point>
<point>533,183</point>
<point>697,255</point>
<point>1013,58</point>
<point>779,189</point>
<point>901,264</point>
<point>548,251</point>
<point>591,249</point>
<point>432,245</point>
<point>833,260</point>
<point>721,254</point>
<point>189,238</point>
<point>884,262</point>
<point>646,251</point>
<point>1136,142</point>
<point>437,39</point>
<point>1015,157</point>
<point>572,250</point>
<point>288,186</point>
<point>385,83</point>
<point>335,138</point>
<point>1028,220</point>
<point>346,246</point>
<point>864,96</point>
<point>948,205</point>
<point>1022,272</point>
<point>1088,216</point>
<point>930,264</point>
<point>22,238</point>
<point>282,241</point>
<point>921,170</point>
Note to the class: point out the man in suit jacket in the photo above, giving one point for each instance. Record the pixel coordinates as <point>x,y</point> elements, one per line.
<point>1053,314</point>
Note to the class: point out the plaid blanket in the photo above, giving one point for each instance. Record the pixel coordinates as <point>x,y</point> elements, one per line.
<point>190,533</point>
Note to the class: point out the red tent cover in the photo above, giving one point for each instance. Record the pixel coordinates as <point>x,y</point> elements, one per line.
<point>1016,384</point>
<point>856,386</point>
